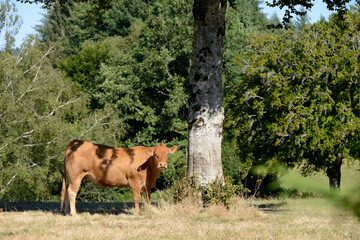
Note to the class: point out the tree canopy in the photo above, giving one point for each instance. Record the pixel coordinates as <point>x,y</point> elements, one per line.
<point>298,101</point>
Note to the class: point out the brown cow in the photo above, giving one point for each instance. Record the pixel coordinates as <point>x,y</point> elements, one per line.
<point>136,168</point>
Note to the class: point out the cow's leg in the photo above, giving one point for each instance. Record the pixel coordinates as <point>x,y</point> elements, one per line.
<point>147,196</point>
<point>137,198</point>
<point>72,190</point>
<point>67,201</point>
<point>136,189</point>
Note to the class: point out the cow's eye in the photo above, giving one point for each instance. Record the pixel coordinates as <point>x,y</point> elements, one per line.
<point>156,155</point>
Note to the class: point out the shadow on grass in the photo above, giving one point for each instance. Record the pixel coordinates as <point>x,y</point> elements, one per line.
<point>81,207</point>
<point>115,208</point>
<point>271,207</point>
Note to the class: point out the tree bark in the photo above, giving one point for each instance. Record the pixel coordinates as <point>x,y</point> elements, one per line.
<point>334,173</point>
<point>206,112</point>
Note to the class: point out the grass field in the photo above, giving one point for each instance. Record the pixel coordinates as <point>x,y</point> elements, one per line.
<point>350,176</point>
<point>290,219</point>
<point>310,218</point>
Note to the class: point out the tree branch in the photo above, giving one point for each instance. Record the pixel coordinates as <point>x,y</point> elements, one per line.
<point>25,135</point>
<point>8,183</point>
<point>94,125</point>
<point>29,89</point>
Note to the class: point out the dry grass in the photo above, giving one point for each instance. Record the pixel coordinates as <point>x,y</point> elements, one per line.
<point>297,219</point>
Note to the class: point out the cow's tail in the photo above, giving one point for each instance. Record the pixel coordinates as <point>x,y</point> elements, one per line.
<point>63,190</point>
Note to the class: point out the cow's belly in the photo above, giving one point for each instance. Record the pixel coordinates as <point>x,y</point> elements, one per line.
<point>110,178</point>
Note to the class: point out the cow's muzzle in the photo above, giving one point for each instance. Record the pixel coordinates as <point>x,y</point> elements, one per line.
<point>162,166</point>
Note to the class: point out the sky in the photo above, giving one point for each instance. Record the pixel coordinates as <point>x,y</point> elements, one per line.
<point>317,11</point>
<point>32,13</point>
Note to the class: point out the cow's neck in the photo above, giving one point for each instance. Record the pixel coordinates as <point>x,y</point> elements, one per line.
<point>153,172</point>
<point>153,167</point>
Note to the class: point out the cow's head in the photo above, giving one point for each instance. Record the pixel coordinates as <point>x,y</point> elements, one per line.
<point>161,155</point>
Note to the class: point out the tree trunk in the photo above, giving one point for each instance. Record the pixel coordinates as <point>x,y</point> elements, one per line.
<point>334,173</point>
<point>206,112</point>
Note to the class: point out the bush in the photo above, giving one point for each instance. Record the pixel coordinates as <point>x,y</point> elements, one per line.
<point>218,191</point>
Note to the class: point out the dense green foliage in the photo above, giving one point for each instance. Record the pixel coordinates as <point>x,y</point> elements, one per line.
<point>119,76</point>
<point>41,111</point>
<point>241,23</point>
<point>298,102</point>
<point>127,71</point>
<point>72,23</point>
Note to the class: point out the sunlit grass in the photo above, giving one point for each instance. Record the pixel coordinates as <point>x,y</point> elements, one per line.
<point>350,175</point>
<point>317,217</point>
<point>316,185</point>
<point>285,219</point>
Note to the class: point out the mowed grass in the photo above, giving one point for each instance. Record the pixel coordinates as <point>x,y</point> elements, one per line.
<point>290,219</point>
<point>350,178</point>
<point>310,218</point>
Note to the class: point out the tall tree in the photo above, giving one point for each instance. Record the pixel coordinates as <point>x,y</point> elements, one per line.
<point>206,112</point>
<point>299,99</point>
<point>73,22</point>
<point>146,75</point>
<point>300,21</point>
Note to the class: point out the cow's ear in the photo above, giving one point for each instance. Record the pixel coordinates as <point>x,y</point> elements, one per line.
<point>173,149</point>
<point>150,151</point>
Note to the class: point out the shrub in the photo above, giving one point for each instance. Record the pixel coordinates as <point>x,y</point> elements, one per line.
<point>218,191</point>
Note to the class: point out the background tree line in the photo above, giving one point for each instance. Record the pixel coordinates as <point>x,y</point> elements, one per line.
<point>120,76</point>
